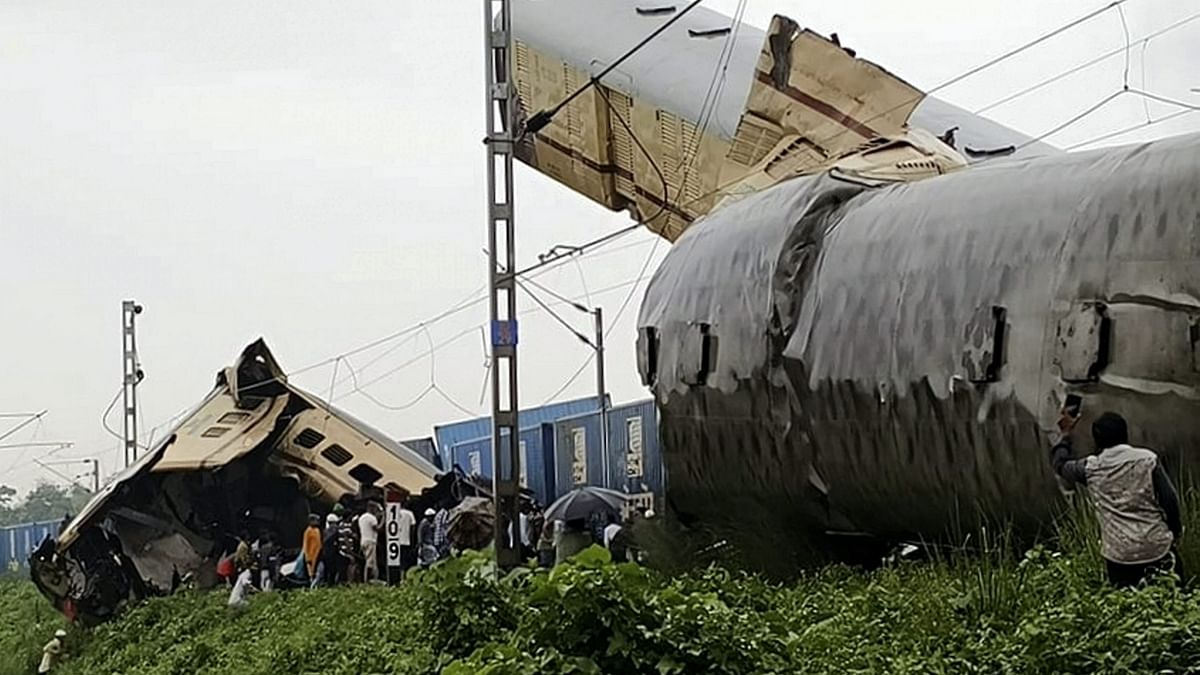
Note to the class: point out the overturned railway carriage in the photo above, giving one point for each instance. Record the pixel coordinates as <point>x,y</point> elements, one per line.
<point>257,454</point>
<point>829,356</point>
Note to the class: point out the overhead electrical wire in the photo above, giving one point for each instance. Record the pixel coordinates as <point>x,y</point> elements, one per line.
<point>563,322</point>
<point>22,425</point>
<point>1135,127</point>
<point>1085,65</point>
<point>649,257</point>
<point>716,87</point>
<point>1105,101</point>
<point>540,119</point>
<point>985,66</point>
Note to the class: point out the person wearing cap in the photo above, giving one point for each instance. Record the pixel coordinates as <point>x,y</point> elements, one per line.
<point>427,552</point>
<point>331,570</point>
<point>1134,501</point>
<point>52,652</point>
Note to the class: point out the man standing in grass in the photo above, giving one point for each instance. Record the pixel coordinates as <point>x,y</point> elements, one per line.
<point>1134,500</point>
<point>51,652</point>
<point>312,547</point>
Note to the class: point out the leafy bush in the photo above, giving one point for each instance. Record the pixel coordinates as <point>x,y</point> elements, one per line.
<point>993,611</point>
<point>27,622</point>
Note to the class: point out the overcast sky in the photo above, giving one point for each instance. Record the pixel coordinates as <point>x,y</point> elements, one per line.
<point>312,173</point>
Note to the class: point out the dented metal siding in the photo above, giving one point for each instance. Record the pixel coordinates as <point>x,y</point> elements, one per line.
<point>849,323</point>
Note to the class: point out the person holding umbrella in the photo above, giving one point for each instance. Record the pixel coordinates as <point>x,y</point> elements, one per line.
<point>575,508</point>
<point>575,538</point>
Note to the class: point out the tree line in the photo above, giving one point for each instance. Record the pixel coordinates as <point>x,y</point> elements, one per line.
<point>44,502</point>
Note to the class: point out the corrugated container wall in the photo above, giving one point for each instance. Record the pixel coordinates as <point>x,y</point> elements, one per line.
<point>450,435</point>
<point>18,541</point>
<point>635,458</point>
<point>537,459</point>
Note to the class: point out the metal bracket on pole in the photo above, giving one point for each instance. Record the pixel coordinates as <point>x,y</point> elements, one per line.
<point>132,375</point>
<point>502,261</point>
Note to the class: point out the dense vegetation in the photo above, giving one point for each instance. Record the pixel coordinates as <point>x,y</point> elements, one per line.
<point>994,609</point>
<point>1045,612</point>
<point>27,621</point>
<point>42,503</point>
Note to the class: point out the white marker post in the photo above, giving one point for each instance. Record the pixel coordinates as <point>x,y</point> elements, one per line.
<point>392,526</point>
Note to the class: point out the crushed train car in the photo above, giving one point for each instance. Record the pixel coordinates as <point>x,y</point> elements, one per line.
<point>890,361</point>
<point>257,454</point>
<point>714,109</point>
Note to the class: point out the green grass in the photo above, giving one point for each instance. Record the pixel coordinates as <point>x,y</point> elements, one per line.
<point>27,622</point>
<point>990,607</point>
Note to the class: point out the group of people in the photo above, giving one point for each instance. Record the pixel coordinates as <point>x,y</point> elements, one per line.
<point>552,542</point>
<point>1138,510</point>
<point>341,548</point>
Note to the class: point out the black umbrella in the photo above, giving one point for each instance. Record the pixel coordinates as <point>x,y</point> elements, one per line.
<point>583,502</point>
<point>471,523</point>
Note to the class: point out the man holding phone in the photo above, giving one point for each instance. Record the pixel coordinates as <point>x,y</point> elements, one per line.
<point>1134,500</point>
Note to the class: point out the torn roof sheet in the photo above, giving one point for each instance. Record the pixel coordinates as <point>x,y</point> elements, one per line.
<point>675,70</point>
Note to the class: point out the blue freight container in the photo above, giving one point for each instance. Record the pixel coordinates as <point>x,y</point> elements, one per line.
<point>450,435</point>
<point>577,453</point>
<point>634,451</point>
<point>537,464</point>
<point>635,457</point>
<point>18,541</point>
<point>425,447</point>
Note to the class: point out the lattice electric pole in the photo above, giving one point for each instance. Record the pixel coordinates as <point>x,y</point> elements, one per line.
<point>132,375</point>
<point>502,264</point>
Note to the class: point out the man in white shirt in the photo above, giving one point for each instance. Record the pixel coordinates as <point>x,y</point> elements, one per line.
<point>406,521</point>
<point>51,652</point>
<point>610,531</point>
<point>368,534</point>
<point>242,590</point>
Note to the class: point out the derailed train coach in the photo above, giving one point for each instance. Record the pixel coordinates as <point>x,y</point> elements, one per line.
<point>831,357</point>
<point>257,454</point>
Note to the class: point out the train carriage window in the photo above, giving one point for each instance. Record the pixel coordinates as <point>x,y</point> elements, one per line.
<point>366,474</point>
<point>708,352</point>
<point>647,355</point>
<point>309,438</point>
<point>337,454</point>
<point>700,359</point>
<point>1082,342</point>
<point>983,354</point>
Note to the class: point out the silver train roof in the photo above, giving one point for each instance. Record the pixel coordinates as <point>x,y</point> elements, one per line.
<point>674,70</point>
